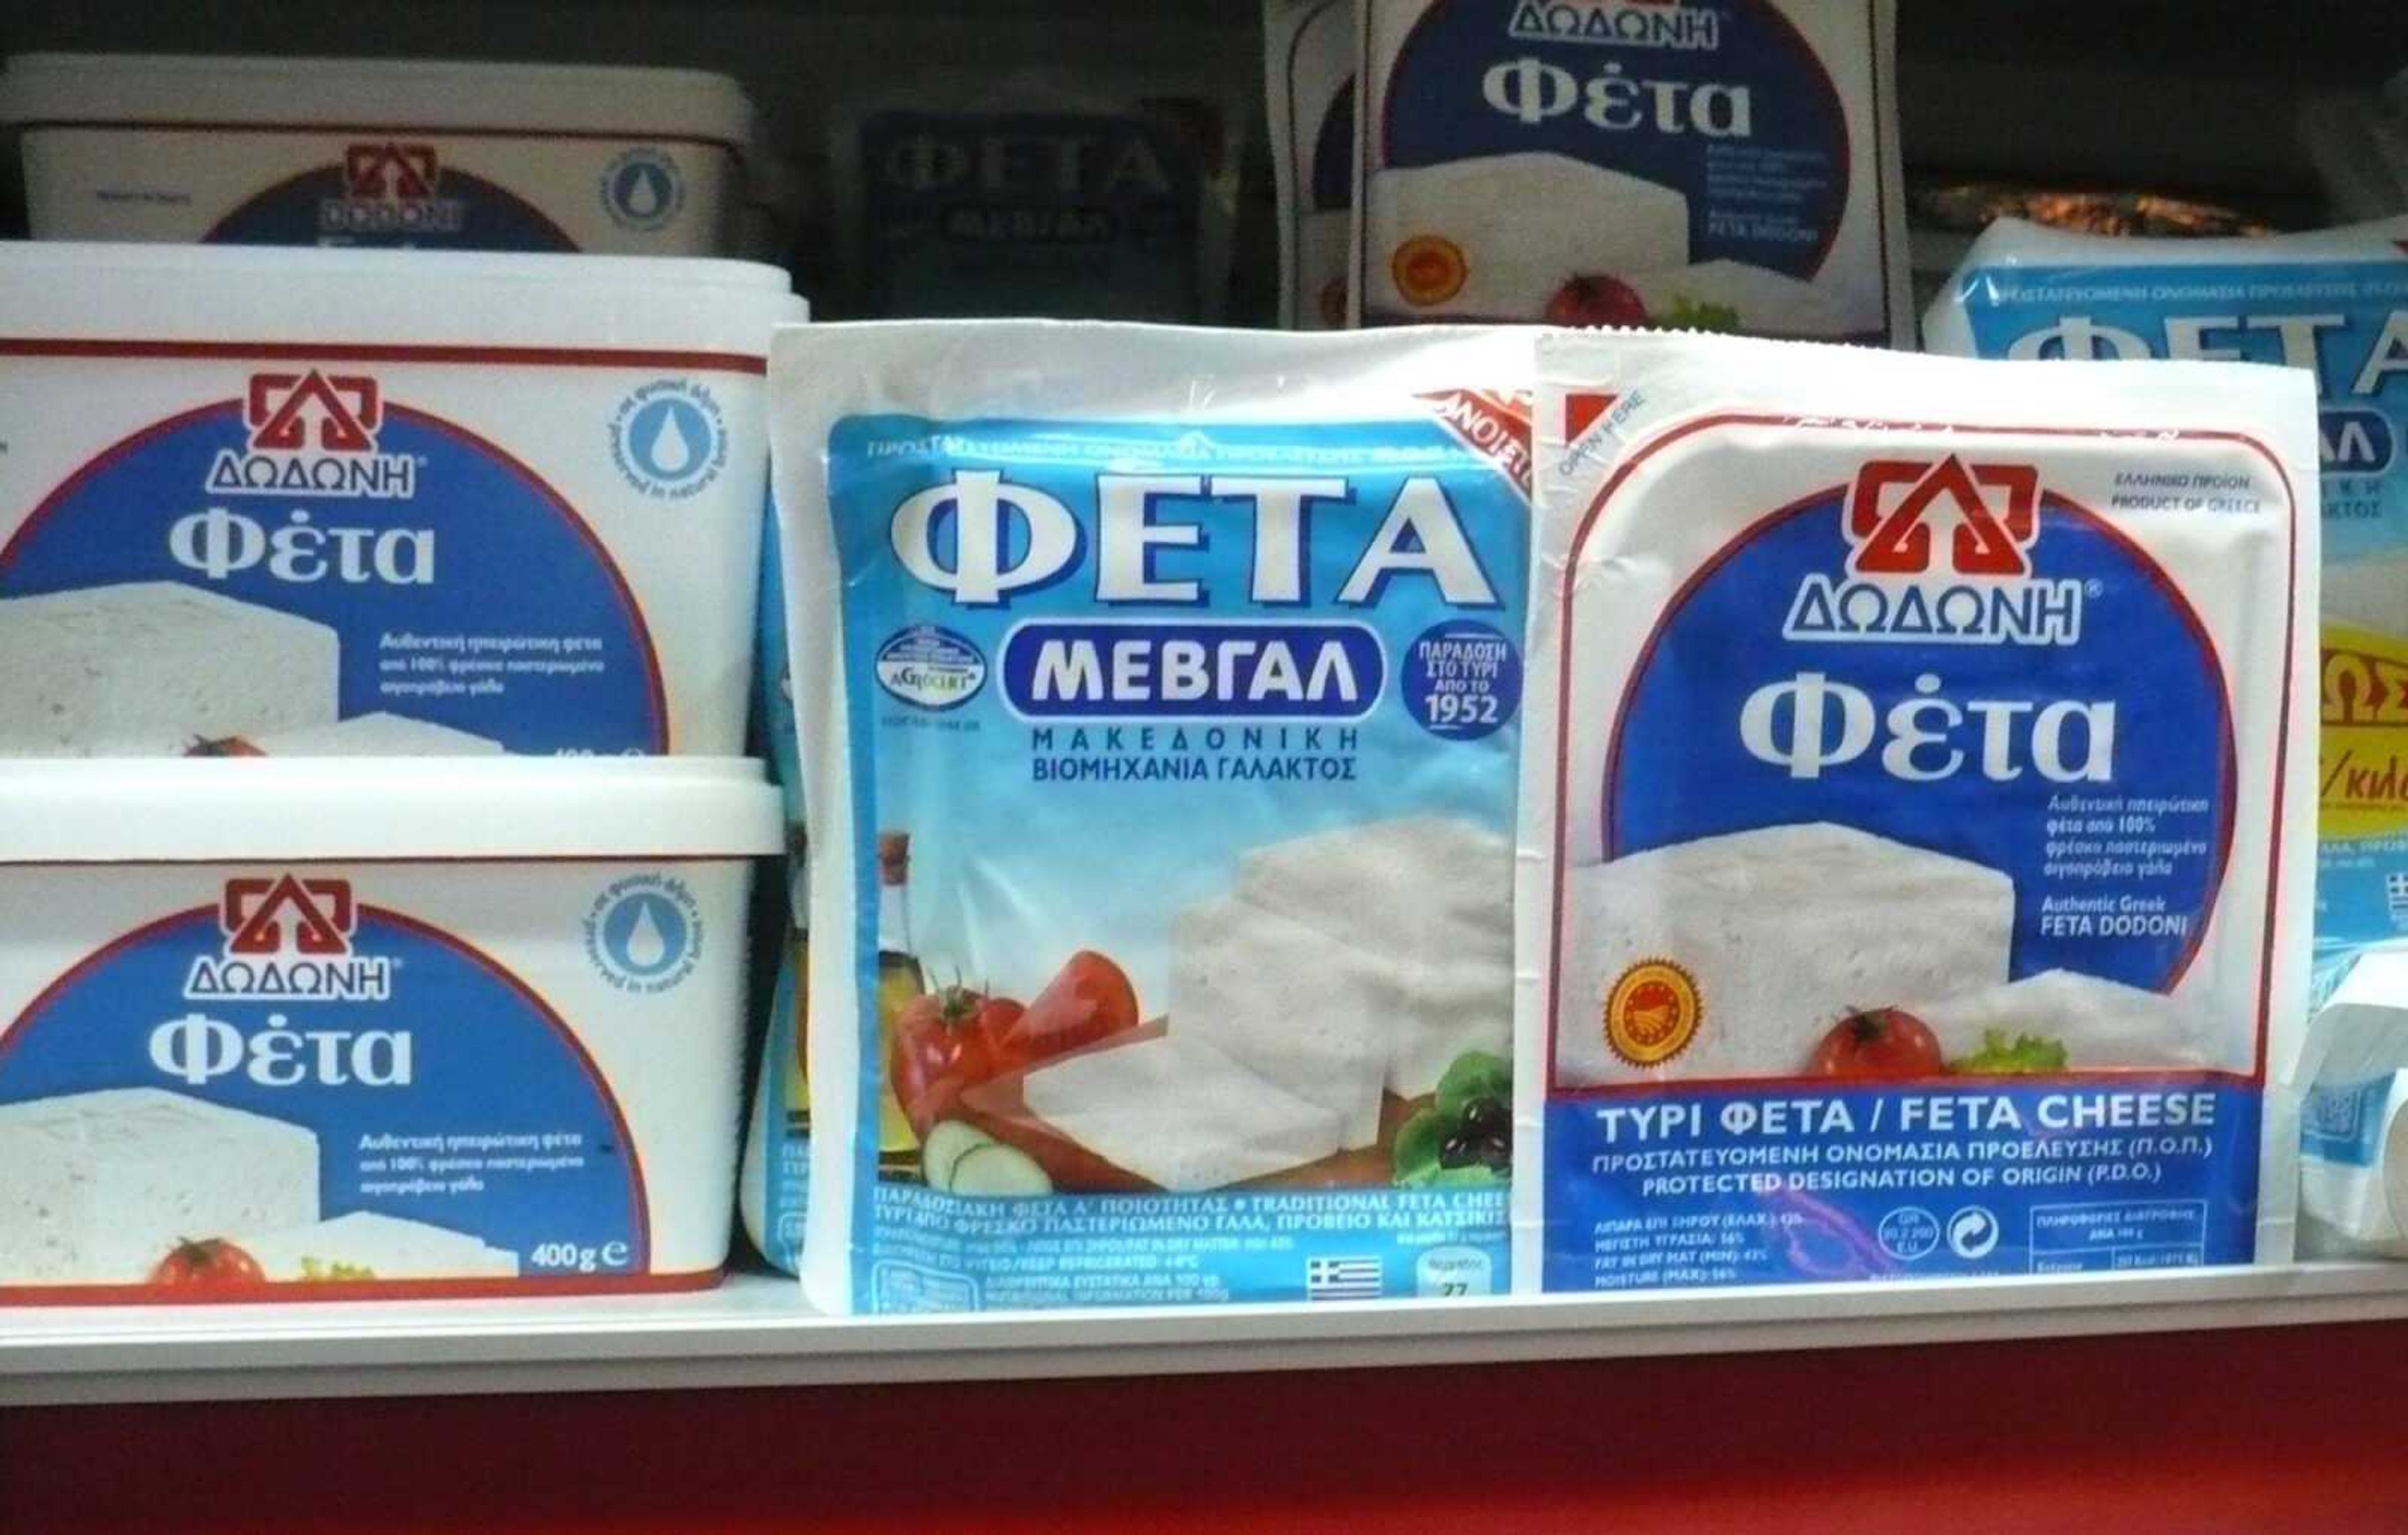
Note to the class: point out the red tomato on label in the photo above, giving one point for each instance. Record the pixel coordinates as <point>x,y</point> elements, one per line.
<point>207,1265</point>
<point>938,1045</point>
<point>1091,999</point>
<point>1878,1043</point>
<point>997,1016</point>
<point>1596,300</point>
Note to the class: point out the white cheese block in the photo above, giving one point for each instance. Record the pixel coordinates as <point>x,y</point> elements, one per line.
<point>365,1245</point>
<point>1425,903</point>
<point>151,668</point>
<point>1768,303</point>
<point>1783,931</point>
<point>1180,1114</point>
<point>376,735</point>
<point>1312,1015</point>
<point>1525,224</point>
<point>2100,1023</point>
<point>95,1188</point>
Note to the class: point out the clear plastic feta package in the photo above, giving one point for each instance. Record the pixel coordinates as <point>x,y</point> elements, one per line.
<point>1309,47</point>
<point>1916,814</point>
<point>1159,694</point>
<point>1702,164</point>
<point>1036,191</point>
<point>2335,305</point>
<point>2351,1081</point>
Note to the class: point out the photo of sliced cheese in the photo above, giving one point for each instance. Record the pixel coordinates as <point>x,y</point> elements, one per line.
<point>1423,901</point>
<point>1764,302</point>
<point>2100,1023</point>
<point>365,1245</point>
<point>1781,932</point>
<point>378,735</point>
<point>1517,227</point>
<point>96,1188</point>
<point>148,668</point>
<point>1180,1114</point>
<point>1290,1004</point>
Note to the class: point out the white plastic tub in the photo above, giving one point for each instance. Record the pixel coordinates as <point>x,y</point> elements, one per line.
<point>379,501</point>
<point>289,1030</point>
<point>358,152</point>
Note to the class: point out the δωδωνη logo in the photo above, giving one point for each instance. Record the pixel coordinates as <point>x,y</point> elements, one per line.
<point>1619,24</point>
<point>288,938</point>
<point>1939,552</point>
<point>390,187</point>
<point>312,433</point>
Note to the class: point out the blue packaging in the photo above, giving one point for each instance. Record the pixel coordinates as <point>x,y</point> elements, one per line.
<point>1159,694</point>
<point>2332,304</point>
<point>774,1187</point>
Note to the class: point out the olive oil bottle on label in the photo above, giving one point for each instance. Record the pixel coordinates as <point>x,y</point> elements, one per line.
<point>900,980</point>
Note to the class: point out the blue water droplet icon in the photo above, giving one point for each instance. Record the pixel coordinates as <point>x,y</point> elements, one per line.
<point>641,194</point>
<point>647,946</point>
<point>671,452</point>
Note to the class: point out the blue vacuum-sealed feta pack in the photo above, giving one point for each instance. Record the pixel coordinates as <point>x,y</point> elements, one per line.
<point>1030,191</point>
<point>1916,814</point>
<point>774,1185</point>
<point>1159,694</point>
<point>2333,303</point>
<point>1699,164</point>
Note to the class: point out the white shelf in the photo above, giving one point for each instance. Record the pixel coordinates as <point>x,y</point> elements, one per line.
<point>755,1330</point>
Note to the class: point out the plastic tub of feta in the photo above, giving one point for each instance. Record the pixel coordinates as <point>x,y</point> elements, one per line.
<point>295,1029</point>
<point>342,502</point>
<point>378,153</point>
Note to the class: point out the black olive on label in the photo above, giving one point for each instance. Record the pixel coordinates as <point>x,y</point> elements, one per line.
<point>1486,1115</point>
<point>1457,1151</point>
<point>1496,1154</point>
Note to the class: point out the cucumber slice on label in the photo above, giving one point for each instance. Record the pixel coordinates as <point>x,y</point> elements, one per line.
<point>948,1143</point>
<point>997,1171</point>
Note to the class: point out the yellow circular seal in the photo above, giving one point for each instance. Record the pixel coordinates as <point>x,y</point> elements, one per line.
<point>1429,269</point>
<point>1652,1012</point>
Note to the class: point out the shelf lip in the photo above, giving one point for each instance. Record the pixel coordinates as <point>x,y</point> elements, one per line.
<point>756,1331</point>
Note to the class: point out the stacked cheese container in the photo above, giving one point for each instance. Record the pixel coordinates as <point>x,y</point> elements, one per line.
<point>309,1027</point>
<point>382,152</point>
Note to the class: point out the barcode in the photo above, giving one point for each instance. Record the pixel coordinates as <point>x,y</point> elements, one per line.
<point>1341,1279</point>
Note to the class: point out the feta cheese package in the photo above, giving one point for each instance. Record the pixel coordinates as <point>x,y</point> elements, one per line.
<point>2335,305</point>
<point>1158,692</point>
<point>1916,822</point>
<point>314,1031</point>
<point>1309,47</point>
<point>368,502</point>
<point>378,153</point>
<point>996,191</point>
<point>1700,165</point>
<point>775,1186</point>
<point>2352,1083</point>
